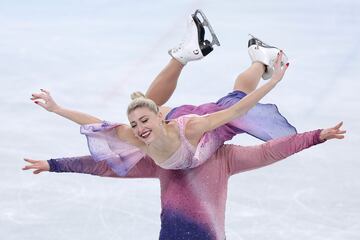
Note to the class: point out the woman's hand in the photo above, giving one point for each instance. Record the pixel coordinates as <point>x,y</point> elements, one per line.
<point>38,165</point>
<point>334,132</point>
<point>279,70</point>
<point>46,101</point>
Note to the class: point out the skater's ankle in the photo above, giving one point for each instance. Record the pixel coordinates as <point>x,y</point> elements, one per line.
<point>259,65</point>
<point>177,63</point>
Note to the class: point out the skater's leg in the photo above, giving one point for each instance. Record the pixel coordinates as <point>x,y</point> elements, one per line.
<point>165,82</point>
<point>193,47</point>
<point>248,80</point>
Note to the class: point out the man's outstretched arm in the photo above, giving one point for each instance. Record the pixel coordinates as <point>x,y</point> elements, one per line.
<point>145,168</point>
<point>240,159</point>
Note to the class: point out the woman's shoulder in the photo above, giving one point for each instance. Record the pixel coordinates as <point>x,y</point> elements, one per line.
<point>184,121</point>
<point>164,110</point>
<point>188,117</point>
<point>192,127</point>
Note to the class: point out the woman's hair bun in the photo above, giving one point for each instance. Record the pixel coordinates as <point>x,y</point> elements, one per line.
<point>136,95</point>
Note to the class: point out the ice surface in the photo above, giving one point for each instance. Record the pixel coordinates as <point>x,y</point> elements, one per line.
<point>93,54</point>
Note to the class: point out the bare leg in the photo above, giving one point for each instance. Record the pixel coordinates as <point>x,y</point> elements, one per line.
<point>193,47</point>
<point>248,80</point>
<point>164,84</point>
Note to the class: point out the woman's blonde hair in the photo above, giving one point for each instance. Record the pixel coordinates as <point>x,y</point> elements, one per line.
<point>139,100</point>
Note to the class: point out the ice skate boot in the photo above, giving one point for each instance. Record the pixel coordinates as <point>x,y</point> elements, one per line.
<point>266,54</point>
<point>194,46</point>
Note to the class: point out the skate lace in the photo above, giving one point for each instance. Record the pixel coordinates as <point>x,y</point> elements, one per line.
<point>179,47</point>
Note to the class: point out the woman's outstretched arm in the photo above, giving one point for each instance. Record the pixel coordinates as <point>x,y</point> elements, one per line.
<point>240,159</point>
<point>45,100</point>
<point>145,168</point>
<point>200,125</point>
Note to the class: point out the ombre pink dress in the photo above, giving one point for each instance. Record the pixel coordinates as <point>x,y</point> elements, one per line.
<point>188,156</point>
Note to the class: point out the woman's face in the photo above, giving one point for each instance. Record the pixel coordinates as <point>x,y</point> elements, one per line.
<point>145,124</point>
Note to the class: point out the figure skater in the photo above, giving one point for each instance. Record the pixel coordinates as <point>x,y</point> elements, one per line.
<point>190,134</point>
<point>193,201</point>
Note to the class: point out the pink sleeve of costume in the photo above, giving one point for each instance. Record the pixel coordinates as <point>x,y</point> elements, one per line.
<point>105,145</point>
<point>145,168</point>
<point>240,159</point>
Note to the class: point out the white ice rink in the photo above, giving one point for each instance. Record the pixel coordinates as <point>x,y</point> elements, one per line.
<point>93,54</point>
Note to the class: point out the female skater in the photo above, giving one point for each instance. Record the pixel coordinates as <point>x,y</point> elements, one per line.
<point>189,139</point>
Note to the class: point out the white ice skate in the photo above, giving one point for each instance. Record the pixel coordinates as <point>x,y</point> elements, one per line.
<point>266,54</point>
<point>194,46</point>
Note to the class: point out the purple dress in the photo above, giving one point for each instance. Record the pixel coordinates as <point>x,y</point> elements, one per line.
<point>263,121</point>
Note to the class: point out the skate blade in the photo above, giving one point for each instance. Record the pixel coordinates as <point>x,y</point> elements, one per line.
<point>261,41</point>
<point>206,23</point>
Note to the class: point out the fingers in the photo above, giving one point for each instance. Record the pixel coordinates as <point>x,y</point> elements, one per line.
<point>30,167</point>
<point>337,131</point>
<point>285,67</point>
<point>278,58</point>
<point>37,171</point>
<point>338,126</point>
<point>43,95</point>
<point>41,104</point>
<point>340,136</point>
<point>30,160</point>
<point>38,96</point>
<point>36,165</point>
<point>45,91</point>
<point>278,63</point>
<point>34,98</point>
<point>37,168</point>
<point>336,134</point>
